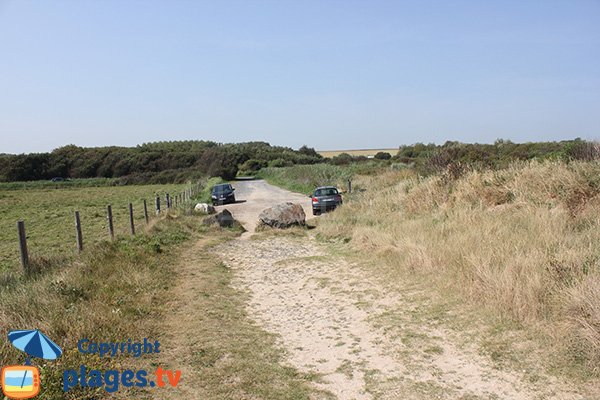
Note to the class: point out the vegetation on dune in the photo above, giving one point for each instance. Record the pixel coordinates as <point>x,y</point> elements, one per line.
<point>161,162</point>
<point>522,241</point>
<point>431,158</point>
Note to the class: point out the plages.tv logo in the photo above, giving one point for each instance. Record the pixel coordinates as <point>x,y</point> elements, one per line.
<point>23,381</point>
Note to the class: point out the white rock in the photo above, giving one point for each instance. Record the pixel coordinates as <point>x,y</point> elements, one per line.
<point>204,208</point>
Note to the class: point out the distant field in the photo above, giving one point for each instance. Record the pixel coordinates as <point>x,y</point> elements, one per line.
<point>49,216</point>
<point>360,152</point>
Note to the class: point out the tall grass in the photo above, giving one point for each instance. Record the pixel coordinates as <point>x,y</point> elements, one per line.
<point>524,241</point>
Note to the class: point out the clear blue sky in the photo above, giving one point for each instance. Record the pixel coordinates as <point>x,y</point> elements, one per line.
<point>329,74</point>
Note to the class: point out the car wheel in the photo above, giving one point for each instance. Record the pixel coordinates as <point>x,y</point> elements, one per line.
<point>316,212</point>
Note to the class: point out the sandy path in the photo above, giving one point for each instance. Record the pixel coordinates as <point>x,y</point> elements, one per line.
<point>336,320</point>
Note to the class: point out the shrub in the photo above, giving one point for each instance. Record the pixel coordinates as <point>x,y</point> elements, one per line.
<point>279,163</point>
<point>253,165</point>
<point>341,159</point>
<point>383,155</point>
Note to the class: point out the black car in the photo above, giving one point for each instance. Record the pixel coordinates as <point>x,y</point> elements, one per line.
<point>222,194</point>
<point>325,198</point>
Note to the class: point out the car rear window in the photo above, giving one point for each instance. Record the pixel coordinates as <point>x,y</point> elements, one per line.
<point>221,188</point>
<point>326,192</point>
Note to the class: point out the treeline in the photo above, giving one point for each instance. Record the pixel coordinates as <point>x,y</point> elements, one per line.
<point>159,162</point>
<point>431,158</point>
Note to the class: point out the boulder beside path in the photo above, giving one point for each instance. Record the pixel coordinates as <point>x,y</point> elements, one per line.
<point>283,215</point>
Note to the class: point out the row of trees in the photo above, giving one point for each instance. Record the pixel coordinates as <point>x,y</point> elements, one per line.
<point>160,161</point>
<point>163,162</point>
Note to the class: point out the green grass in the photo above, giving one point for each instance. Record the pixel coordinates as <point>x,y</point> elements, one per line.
<point>114,291</point>
<point>305,178</point>
<point>48,213</point>
<point>48,184</point>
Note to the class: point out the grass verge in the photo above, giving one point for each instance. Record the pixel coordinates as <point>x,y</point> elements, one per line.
<point>215,343</point>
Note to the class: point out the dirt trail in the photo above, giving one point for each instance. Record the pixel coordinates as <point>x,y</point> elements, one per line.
<point>334,319</point>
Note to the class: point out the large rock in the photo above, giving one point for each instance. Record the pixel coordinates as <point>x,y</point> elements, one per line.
<point>283,215</point>
<point>224,219</point>
<point>204,208</point>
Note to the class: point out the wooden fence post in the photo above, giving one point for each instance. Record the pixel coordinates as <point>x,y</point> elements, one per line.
<point>175,200</point>
<point>167,201</point>
<point>131,224</point>
<point>157,204</point>
<point>349,186</point>
<point>23,245</point>
<point>109,217</point>
<point>78,232</point>
<point>145,211</point>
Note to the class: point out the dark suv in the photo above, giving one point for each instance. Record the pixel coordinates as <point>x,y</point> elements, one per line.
<point>325,198</point>
<point>222,194</point>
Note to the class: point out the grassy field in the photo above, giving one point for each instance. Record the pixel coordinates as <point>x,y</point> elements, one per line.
<point>71,183</point>
<point>359,152</point>
<point>48,213</point>
<point>521,242</point>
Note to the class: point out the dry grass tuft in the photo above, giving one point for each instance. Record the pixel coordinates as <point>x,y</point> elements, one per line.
<point>524,241</point>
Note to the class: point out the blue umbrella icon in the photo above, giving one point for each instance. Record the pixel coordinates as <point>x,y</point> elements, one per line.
<point>35,344</point>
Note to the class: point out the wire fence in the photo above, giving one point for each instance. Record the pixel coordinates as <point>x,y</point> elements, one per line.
<point>158,205</point>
